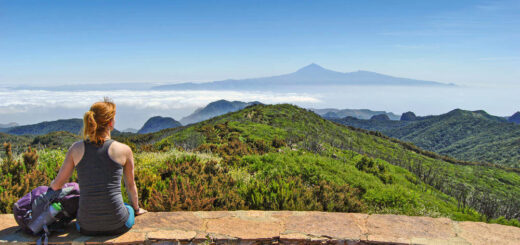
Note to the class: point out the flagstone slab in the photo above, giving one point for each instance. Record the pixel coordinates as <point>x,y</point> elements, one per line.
<point>404,229</point>
<point>154,221</point>
<point>335,225</point>
<point>482,233</point>
<point>243,228</point>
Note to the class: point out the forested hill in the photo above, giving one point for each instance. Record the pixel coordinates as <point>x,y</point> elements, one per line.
<point>274,151</point>
<point>70,125</point>
<point>467,135</point>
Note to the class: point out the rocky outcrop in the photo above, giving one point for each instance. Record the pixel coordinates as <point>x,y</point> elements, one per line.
<point>282,227</point>
<point>408,116</point>
<point>515,118</point>
<point>214,109</point>
<point>380,117</point>
<point>158,123</point>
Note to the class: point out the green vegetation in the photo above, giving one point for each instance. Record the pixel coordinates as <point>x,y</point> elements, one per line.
<point>55,140</point>
<point>18,142</point>
<point>466,135</point>
<point>281,157</point>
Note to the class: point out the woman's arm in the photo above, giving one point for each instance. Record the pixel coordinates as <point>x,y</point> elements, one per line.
<point>130,186</point>
<point>66,170</point>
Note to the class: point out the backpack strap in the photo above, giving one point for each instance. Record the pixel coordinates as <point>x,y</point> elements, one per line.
<point>45,236</point>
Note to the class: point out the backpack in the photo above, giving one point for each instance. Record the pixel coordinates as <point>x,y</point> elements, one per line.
<point>30,206</point>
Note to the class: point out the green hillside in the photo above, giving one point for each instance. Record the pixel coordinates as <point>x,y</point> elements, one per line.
<point>19,142</point>
<point>273,157</point>
<point>467,135</point>
<point>69,125</point>
<point>284,140</point>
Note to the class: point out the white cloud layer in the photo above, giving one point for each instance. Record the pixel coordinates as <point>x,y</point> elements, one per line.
<point>22,100</point>
<point>134,107</point>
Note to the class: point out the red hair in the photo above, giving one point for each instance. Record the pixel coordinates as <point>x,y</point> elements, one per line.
<point>96,121</point>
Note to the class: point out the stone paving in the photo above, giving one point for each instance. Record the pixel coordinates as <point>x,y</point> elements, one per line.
<point>281,227</point>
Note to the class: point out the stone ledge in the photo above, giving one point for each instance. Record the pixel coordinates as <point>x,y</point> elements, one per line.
<point>281,227</point>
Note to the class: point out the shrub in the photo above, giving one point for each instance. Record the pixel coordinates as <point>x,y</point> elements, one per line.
<point>378,169</point>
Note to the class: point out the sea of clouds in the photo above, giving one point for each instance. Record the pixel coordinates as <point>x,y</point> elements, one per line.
<point>135,107</point>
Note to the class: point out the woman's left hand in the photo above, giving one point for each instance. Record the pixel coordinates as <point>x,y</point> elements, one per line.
<point>141,211</point>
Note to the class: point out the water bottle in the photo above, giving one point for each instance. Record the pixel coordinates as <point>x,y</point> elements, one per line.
<point>46,218</point>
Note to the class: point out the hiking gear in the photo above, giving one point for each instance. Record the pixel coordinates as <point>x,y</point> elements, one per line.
<point>34,204</point>
<point>46,218</point>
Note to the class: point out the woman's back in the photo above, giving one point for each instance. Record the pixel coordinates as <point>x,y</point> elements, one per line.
<point>101,206</point>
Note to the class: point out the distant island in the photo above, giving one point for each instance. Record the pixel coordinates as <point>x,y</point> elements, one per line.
<point>311,75</point>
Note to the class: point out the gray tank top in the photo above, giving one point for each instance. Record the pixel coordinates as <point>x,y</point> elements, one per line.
<point>101,206</point>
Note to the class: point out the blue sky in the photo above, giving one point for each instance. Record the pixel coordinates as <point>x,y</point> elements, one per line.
<point>474,43</point>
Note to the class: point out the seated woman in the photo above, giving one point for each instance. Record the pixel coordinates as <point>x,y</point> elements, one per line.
<point>100,162</point>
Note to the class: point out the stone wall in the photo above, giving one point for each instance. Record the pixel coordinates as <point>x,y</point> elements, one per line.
<point>282,227</point>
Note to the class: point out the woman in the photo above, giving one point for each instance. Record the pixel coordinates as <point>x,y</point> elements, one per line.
<point>100,162</point>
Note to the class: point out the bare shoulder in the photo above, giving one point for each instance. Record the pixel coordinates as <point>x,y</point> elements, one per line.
<point>78,145</point>
<point>121,147</point>
<point>119,152</point>
<point>76,150</point>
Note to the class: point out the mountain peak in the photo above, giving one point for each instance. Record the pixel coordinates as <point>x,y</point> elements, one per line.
<point>313,67</point>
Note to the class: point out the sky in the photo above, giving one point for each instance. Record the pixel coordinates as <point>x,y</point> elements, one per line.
<point>473,43</point>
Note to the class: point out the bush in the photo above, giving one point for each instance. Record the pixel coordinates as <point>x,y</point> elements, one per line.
<point>378,169</point>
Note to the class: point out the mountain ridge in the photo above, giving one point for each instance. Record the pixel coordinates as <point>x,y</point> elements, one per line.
<point>357,113</point>
<point>70,125</point>
<point>467,135</point>
<point>8,125</point>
